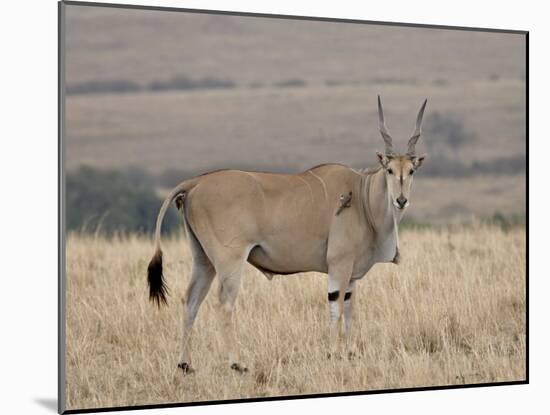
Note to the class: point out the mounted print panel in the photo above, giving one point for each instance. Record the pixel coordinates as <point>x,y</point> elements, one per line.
<point>262,207</point>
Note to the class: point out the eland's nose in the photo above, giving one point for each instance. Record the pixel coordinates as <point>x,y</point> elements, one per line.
<point>401,201</point>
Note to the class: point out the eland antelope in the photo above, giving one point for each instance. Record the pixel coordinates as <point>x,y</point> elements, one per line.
<point>330,219</point>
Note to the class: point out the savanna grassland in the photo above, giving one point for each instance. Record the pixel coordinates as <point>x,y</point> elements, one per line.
<point>452,312</point>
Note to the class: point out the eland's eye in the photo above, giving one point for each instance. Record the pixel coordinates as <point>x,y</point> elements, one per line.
<point>390,171</point>
<point>411,172</point>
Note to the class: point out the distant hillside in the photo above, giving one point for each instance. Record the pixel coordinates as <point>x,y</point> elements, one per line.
<point>290,127</point>
<point>142,46</point>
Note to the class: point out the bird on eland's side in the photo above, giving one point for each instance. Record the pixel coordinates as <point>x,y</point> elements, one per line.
<point>330,219</point>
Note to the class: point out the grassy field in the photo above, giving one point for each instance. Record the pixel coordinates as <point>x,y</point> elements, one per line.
<point>453,312</point>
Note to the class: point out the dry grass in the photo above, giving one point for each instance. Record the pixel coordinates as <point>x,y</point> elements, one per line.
<point>453,312</point>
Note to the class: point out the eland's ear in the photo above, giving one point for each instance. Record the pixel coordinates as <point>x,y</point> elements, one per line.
<point>418,161</point>
<point>383,159</point>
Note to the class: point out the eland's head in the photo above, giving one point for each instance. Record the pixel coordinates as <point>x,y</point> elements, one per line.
<point>400,168</point>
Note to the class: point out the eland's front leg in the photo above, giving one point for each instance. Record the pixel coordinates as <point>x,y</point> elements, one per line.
<point>349,299</point>
<point>348,307</point>
<point>338,281</point>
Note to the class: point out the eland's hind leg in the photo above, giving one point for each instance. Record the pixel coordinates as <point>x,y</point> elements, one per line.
<point>202,275</point>
<point>230,280</point>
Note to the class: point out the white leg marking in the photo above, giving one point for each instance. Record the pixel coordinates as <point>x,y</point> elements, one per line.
<point>334,306</point>
<point>334,312</point>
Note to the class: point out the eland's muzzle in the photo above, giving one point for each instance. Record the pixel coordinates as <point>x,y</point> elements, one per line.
<point>402,202</point>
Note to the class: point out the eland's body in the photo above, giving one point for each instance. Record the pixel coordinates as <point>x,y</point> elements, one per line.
<point>331,219</point>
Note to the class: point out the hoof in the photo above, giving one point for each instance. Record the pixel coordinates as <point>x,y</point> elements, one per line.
<point>237,367</point>
<point>351,355</point>
<point>186,368</point>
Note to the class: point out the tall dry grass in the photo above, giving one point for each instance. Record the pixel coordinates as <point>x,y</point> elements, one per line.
<point>453,312</point>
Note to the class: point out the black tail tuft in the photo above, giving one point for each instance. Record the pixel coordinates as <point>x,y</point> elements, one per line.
<point>157,287</point>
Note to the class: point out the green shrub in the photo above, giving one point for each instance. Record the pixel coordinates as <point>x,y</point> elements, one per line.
<point>113,202</point>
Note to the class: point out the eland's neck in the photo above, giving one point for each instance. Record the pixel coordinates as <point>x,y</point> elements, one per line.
<point>378,205</point>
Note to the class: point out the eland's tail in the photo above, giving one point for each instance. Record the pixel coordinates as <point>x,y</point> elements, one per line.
<point>158,290</point>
